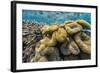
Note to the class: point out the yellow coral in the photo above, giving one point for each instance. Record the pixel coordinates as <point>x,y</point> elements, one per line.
<point>73,28</point>
<point>49,29</point>
<point>55,34</point>
<point>73,48</point>
<point>84,24</point>
<point>67,22</point>
<point>83,44</point>
<point>60,35</point>
<point>48,41</point>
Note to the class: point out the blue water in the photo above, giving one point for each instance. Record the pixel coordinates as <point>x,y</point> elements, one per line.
<point>49,17</point>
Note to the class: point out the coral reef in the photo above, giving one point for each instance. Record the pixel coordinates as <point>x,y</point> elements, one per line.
<point>70,41</point>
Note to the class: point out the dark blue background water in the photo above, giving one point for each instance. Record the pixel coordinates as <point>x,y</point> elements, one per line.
<point>49,17</point>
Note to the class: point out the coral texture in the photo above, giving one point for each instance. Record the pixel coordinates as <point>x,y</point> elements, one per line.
<point>70,41</point>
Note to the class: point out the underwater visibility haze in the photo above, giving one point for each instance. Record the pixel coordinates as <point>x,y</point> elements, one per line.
<point>49,17</point>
